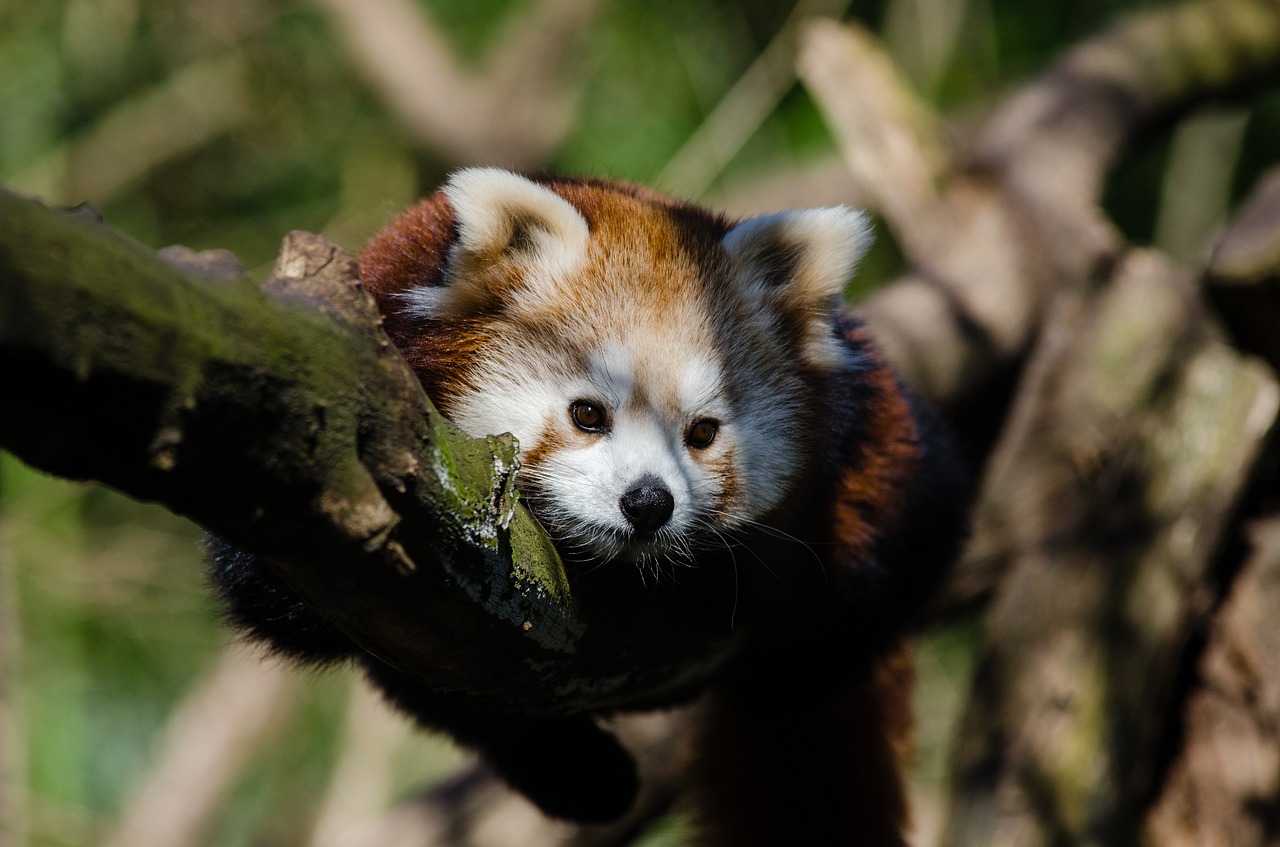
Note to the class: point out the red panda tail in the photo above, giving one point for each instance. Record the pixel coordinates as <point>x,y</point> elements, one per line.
<point>822,776</point>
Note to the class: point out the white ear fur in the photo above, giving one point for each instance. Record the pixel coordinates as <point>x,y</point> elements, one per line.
<point>803,257</point>
<point>494,206</point>
<point>504,221</point>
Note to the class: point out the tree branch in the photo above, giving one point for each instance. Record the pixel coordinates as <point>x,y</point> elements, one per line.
<point>1131,443</point>
<point>283,420</point>
<point>235,706</point>
<point>1225,785</point>
<point>200,102</point>
<point>743,109</point>
<point>1057,138</point>
<point>514,109</point>
<point>13,738</point>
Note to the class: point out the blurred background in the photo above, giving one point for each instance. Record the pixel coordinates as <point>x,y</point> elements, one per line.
<point>227,123</point>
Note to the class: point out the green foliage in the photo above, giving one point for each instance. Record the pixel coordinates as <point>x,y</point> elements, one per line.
<point>114,624</point>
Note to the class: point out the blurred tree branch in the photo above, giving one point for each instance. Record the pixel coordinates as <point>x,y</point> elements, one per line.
<point>1133,438</point>
<point>475,809</point>
<point>238,703</point>
<point>200,102</point>
<point>1134,434</point>
<point>1244,271</point>
<point>1098,521</point>
<point>361,783</point>
<point>512,110</point>
<point>13,738</point>
<point>1013,214</point>
<point>744,107</point>
<point>1224,788</point>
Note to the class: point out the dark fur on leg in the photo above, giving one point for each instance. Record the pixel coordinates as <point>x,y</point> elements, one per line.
<point>259,604</point>
<point>828,775</point>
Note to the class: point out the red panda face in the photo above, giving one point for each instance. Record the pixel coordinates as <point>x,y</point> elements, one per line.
<point>658,366</point>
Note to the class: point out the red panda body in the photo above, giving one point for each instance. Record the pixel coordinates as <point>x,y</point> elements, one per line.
<point>680,316</point>
<point>691,405</point>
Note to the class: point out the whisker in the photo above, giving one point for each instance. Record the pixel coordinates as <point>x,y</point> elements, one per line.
<point>775,532</point>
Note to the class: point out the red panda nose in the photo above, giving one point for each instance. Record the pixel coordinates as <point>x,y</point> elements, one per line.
<point>648,504</point>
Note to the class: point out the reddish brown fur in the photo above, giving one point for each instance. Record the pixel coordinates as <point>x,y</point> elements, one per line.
<point>411,252</point>
<point>871,494</point>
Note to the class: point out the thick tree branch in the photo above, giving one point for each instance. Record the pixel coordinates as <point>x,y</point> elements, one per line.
<point>284,420</point>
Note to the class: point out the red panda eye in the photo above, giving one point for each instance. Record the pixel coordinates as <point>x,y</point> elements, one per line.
<point>702,433</point>
<point>588,416</point>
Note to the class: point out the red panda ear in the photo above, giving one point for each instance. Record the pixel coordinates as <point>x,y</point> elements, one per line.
<point>513,237</point>
<point>800,260</point>
<point>500,212</point>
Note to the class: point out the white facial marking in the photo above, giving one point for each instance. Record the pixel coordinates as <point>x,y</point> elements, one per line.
<point>611,375</point>
<point>701,386</point>
<point>589,482</point>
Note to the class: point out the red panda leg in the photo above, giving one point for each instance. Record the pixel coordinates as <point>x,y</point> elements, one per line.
<point>829,775</point>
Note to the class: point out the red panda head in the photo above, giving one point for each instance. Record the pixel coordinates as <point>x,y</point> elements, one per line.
<point>662,369</point>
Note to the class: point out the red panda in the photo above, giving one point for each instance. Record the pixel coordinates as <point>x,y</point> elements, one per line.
<point>688,397</point>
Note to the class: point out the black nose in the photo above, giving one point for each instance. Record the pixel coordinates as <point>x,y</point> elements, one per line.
<point>647,504</point>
